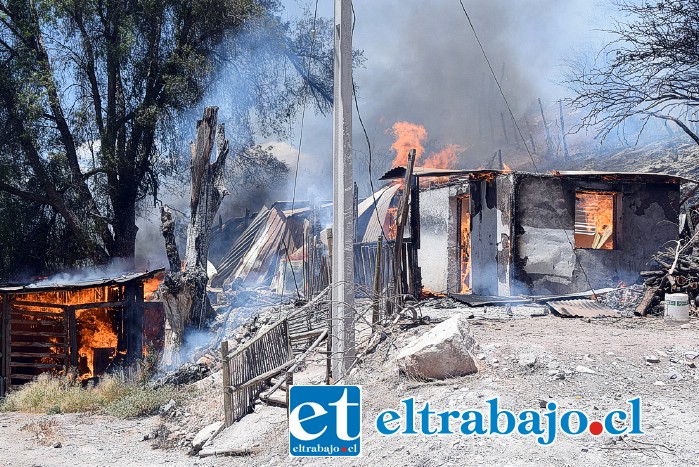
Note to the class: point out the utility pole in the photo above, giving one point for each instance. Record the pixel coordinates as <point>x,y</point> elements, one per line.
<point>342,307</point>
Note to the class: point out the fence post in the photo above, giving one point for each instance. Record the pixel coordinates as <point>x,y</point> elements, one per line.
<point>377,286</point>
<point>227,397</point>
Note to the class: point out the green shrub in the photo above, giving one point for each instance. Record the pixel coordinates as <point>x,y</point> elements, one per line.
<point>116,395</point>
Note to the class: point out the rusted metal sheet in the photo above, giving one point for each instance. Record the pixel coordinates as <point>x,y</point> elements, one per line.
<point>102,282</point>
<point>399,172</point>
<point>631,176</point>
<point>582,308</point>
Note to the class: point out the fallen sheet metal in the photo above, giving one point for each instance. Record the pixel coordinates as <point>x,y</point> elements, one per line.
<point>581,308</point>
<point>484,300</point>
<point>587,294</point>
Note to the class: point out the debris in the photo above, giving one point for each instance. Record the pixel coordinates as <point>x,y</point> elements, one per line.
<point>58,445</point>
<point>527,360</point>
<point>185,374</point>
<point>677,272</point>
<point>586,370</point>
<point>167,408</point>
<point>205,435</point>
<point>442,352</point>
<point>652,359</point>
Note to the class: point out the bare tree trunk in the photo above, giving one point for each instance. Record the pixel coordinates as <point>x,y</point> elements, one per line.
<point>549,140</point>
<point>563,131</point>
<point>184,289</point>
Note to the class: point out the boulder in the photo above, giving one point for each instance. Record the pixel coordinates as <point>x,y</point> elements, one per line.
<point>441,353</point>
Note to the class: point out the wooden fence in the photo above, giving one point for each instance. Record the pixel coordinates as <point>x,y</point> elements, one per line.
<point>246,370</point>
<point>365,255</point>
<point>270,353</point>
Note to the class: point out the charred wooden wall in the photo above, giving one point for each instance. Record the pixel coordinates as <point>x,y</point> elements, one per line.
<point>39,332</point>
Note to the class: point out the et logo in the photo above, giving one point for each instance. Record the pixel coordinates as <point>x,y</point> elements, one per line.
<point>325,421</point>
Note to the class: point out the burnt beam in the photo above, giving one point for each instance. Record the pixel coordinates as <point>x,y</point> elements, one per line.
<point>134,322</point>
<point>72,336</point>
<point>5,345</point>
<point>415,273</point>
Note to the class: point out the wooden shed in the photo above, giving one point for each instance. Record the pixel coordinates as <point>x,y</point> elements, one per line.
<point>88,326</point>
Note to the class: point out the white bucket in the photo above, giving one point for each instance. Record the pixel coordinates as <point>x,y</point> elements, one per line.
<point>677,306</point>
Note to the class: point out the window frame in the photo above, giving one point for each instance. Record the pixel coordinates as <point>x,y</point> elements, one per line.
<point>616,217</point>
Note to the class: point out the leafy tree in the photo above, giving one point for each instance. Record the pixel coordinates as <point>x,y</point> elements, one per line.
<point>92,94</point>
<point>648,71</point>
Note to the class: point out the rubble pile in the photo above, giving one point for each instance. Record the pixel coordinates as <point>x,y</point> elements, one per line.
<point>624,299</point>
<point>677,272</point>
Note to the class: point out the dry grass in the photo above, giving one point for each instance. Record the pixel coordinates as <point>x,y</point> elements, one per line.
<point>115,395</point>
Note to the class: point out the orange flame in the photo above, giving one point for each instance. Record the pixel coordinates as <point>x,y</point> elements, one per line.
<point>96,333</point>
<point>412,136</point>
<point>390,223</point>
<point>594,220</point>
<point>506,168</point>
<point>150,286</point>
<point>465,245</point>
<point>408,136</point>
<point>445,158</point>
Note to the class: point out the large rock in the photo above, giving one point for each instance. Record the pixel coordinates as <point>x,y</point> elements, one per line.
<point>443,352</point>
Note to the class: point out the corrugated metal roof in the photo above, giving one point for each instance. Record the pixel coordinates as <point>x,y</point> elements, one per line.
<point>47,284</point>
<point>582,308</point>
<point>368,227</point>
<point>636,176</point>
<point>399,172</point>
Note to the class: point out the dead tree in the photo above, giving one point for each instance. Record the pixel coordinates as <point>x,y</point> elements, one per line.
<point>549,140</point>
<point>563,131</point>
<point>184,288</point>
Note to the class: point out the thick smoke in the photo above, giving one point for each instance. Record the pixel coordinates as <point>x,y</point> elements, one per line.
<point>423,65</point>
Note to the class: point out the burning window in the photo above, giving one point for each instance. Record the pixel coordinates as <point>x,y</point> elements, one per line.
<point>595,220</point>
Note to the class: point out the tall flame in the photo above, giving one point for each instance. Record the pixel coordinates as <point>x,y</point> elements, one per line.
<point>412,136</point>
<point>445,158</point>
<point>96,332</point>
<point>408,136</point>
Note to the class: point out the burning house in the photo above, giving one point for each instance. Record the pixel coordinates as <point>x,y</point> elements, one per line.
<point>495,232</point>
<point>88,326</point>
<point>481,232</point>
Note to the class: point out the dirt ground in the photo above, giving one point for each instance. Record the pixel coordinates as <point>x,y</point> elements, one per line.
<point>591,365</point>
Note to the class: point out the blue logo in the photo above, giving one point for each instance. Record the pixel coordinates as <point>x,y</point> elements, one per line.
<point>325,421</point>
